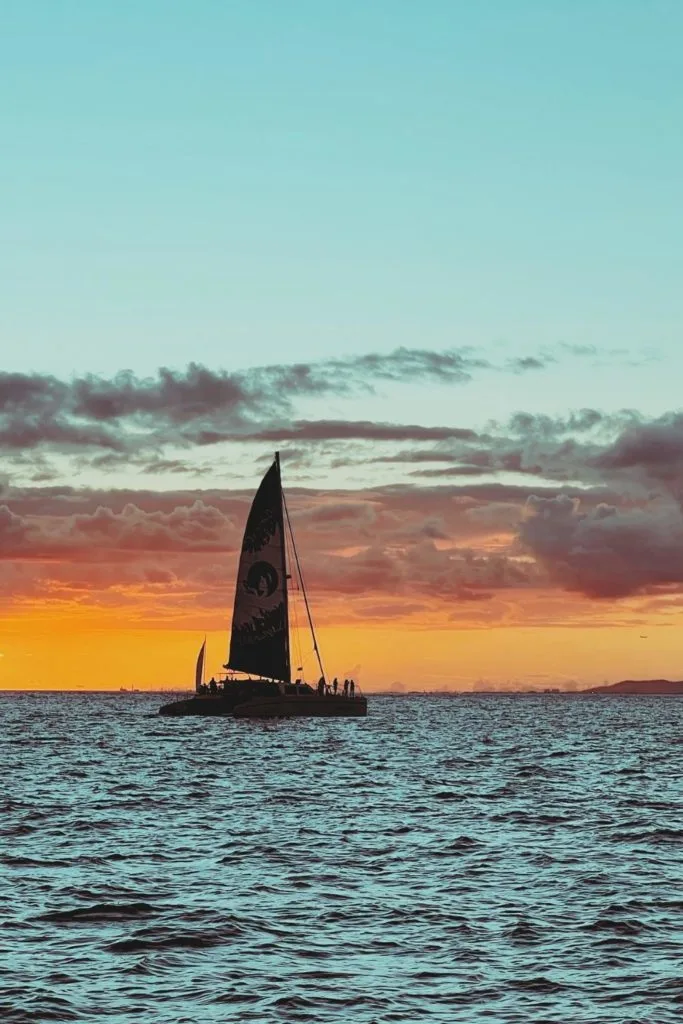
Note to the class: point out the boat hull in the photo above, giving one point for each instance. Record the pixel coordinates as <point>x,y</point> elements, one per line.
<point>280,706</point>
<point>303,707</point>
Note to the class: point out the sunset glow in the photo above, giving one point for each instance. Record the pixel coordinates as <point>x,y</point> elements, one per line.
<point>449,297</point>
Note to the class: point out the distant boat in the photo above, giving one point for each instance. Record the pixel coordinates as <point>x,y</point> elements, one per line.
<point>260,637</point>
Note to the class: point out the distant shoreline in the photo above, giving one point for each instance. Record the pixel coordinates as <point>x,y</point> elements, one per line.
<point>660,687</point>
<point>642,687</point>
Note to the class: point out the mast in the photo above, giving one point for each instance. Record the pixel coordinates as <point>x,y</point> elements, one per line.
<point>285,575</point>
<point>303,586</point>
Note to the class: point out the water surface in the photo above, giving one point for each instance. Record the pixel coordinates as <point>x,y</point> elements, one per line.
<point>480,858</point>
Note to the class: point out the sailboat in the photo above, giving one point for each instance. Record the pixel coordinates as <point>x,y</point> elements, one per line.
<point>258,682</point>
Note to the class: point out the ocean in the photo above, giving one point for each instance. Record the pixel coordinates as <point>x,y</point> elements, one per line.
<point>484,858</point>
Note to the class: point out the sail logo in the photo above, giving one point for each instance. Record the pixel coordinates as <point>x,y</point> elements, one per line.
<point>262,580</point>
<point>260,530</point>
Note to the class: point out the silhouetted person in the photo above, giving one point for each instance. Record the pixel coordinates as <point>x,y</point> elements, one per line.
<point>346,687</point>
<point>297,683</point>
<point>212,685</point>
<point>335,684</point>
<point>321,687</point>
<point>352,687</point>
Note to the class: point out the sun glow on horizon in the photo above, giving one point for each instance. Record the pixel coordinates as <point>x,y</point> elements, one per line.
<point>87,652</point>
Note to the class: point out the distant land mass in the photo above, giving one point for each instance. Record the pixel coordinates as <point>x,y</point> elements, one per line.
<point>663,687</point>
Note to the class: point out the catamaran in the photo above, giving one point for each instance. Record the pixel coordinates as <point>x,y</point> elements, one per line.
<point>258,682</point>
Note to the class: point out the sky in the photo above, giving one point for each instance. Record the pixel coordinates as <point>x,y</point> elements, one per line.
<point>430,252</point>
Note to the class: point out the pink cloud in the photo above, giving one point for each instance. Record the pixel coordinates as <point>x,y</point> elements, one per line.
<point>606,552</point>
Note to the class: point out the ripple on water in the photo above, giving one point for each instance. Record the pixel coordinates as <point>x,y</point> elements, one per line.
<point>499,859</point>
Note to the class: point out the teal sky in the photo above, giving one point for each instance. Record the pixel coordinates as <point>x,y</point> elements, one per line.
<point>257,182</point>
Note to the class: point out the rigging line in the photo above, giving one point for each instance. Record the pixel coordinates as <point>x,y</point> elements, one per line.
<point>303,587</point>
<point>294,609</point>
<point>285,594</point>
<point>303,658</point>
<point>291,583</point>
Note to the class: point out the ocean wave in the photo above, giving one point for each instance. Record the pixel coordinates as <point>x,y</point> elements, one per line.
<point>409,870</point>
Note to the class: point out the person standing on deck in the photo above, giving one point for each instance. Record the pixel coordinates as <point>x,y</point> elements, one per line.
<point>335,684</point>
<point>346,687</point>
<point>352,688</point>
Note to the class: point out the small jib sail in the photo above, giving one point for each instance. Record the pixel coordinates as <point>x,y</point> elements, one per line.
<point>199,670</point>
<point>259,642</point>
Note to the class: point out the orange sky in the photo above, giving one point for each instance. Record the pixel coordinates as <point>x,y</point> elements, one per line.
<point>499,582</point>
<point>90,649</point>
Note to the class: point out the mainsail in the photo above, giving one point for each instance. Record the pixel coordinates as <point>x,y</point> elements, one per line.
<point>199,670</point>
<point>259,642</point>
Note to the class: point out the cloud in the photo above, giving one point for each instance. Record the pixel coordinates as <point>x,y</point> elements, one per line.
<point>91,411</point>
<point>656,448</point>
<point>388,609</point>
<point>428,547</point>
<point>442,541</point>
<point>419,569</point>
<point>605,552</point>
<point>526,363</point>
<point>56,433</point>
<point>180,397</point>
<point>103,532</point>
<point>602,356</point>
<point>449,471</point>
<point>35,391</point>
<point>450,366</point>
<point>537,425</point>
<point>128,414</point>
<point>358,430</point>
<point>566,449</point>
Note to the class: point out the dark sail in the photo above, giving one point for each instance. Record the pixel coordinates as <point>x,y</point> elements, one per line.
<point>259,643</point>
<point>199,669</point>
